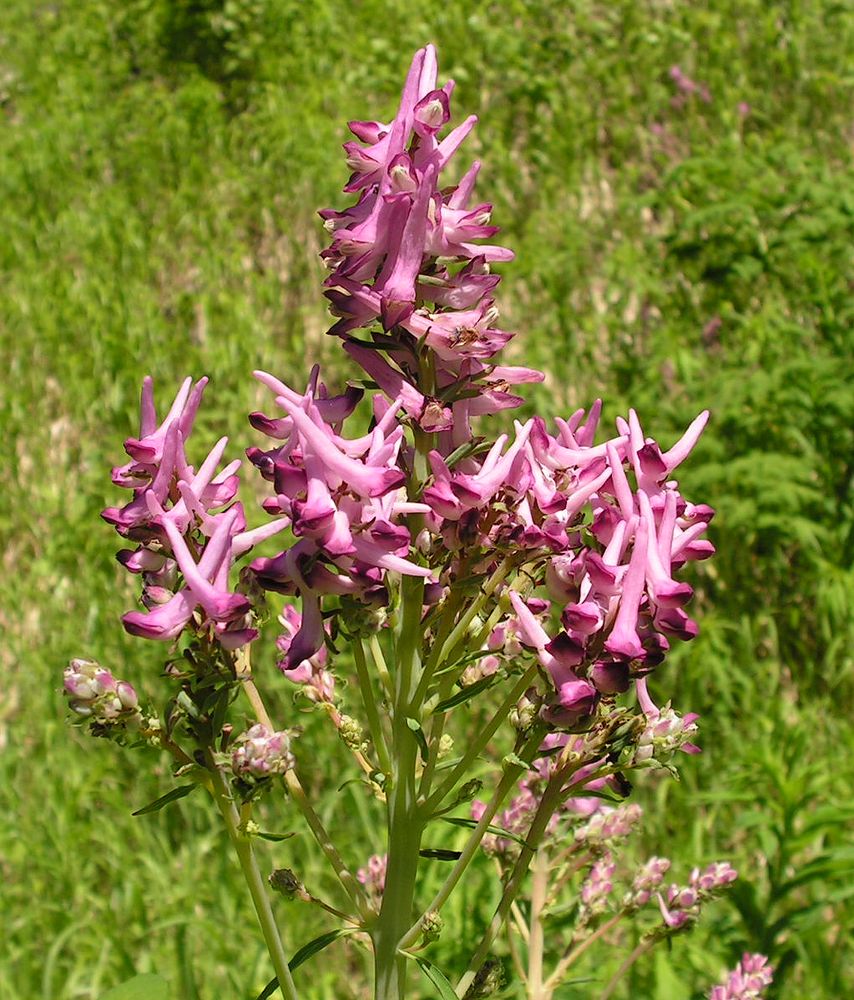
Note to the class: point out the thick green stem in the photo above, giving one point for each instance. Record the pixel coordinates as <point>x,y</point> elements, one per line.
<point>254,880</point>
<point>405,826</point>
<point>510,777</point>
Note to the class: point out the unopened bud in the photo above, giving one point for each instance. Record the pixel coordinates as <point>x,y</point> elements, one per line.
<point>446,745</point>
<point>351,732</point>
<point>431,926</point>
<point>93,693</point>
<point>285,882</point>
<point>261,753</point>
<point>468,791</point>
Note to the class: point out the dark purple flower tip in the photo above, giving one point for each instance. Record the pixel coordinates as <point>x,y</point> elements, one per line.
<point>651,461</point>
<point>235,638</point>
<point>566,651</point>
<point>610,676</point>
<point>576,702</point>
<point>625,646</point>
<point>264,461</point>
<point>602,576</point>
<point>675,622</point>
<point>274,427</point>
<point>433,593</point>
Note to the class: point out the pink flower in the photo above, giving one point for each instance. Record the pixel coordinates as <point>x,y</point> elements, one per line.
<point>748,981</point>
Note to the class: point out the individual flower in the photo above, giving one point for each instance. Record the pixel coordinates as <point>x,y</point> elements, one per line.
<point>316,682</point>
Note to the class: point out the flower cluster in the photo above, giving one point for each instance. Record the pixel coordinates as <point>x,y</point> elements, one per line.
<point>184,550</point>
<point>647,879</point>
<point>408,255</point>
<point>747,981</point>
<point>597,887</point>
<point>373,875</point>
<point>681,905</point>
<point>94,694</point>
<point>344,500</point>
<point>261,753</point>
<point>602,527</point>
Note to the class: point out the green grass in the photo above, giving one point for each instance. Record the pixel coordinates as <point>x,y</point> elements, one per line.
<point>161,167</point>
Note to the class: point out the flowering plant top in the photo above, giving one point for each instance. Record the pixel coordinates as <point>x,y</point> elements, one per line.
<point>534,572</point>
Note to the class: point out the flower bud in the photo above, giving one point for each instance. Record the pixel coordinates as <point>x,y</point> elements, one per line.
<point>351,732</point>
<point>94,694</point>
<point>285,882</point>
<point>431,926</point>
<point>261,753</point>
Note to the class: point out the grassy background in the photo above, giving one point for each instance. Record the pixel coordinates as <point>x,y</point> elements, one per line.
<point>161,162</point>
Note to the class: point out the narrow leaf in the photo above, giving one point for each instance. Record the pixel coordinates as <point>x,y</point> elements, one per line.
<point>495,830</point>
<point>440,854</point>
<point>305,953</point>
<point>275,837</point>
<point>437,978</point>
<point>182,791</point>
<point>418,732</point>
<point>467,692</point>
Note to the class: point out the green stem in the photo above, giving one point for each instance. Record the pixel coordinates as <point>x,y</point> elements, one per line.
<point>404,825</point>
<point>536,938</point>
<point>254,880</point>
<point>572,956</point>
<point>324,842</point>
<point>379,662</point>
<point>509,778</point>
<point>554,792</point>
<point>370,704</point>
<point>477,746</point>
<point>614,981</point>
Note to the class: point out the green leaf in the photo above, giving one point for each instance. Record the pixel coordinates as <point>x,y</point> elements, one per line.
<point>303,955</point>
<point>469,691</point>
<point>182,791</point>
<point>496,830</point>
<point>437,978</point>
<point>440,854</point>
<point>415,726</point>
<point>147,987</point>
<point>275,837</point>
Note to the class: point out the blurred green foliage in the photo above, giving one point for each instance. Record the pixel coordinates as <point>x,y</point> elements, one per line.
<point>162,161</point>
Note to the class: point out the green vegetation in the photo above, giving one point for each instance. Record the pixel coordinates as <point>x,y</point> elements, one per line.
<point>162,161</point>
